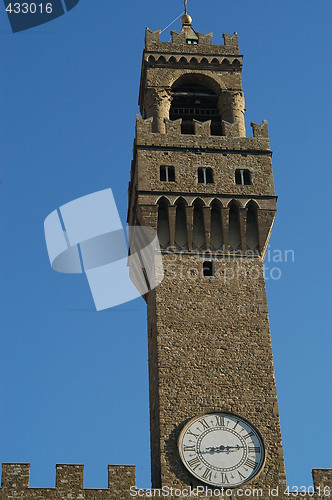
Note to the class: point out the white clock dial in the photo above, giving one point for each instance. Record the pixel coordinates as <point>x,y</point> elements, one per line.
<point>221,449</point>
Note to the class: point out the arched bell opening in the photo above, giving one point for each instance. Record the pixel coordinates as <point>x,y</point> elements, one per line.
<point>216,236</point>
<point>198,227</point>
<point>252,241</point>
<point>181,237</point>
<point>234,235</point>
<point>163,223</point>
<point>195,98</point>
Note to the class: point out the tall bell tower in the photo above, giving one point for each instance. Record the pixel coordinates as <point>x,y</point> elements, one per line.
<point>207,189</point>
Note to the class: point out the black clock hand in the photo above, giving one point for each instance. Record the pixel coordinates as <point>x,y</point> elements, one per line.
<point>222,449</point>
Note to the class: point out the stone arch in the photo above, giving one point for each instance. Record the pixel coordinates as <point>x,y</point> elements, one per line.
<point>183,60</point>
<point>181,200</point>
<point>216,201</point>
<point>215,61</point>
<point>198,78</point>
<point>235,202</point>
<point>204,60</point>
<point>234,235</point>
<point>225,62</point>
<point>193,60</point>
<point>198,200</point>
<point>198,227</point>
<point>161,60</point>
<point>255,202</point>
<point>181,237</point>
<point>216,235</point>
<point>195,97</point>
<point>172,60</point>
<point>163,222</point>
<point>151,60</point>
<point>236,63</point>
<point>252,241</point>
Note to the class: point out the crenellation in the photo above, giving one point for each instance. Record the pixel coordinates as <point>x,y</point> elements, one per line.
<point>202,129</point>
<point>69,476</point>
<point>201,137</point>
<point>143,127</point>
<point>231,129</point>
<point>231,41</point>
<point>15,476</point>
<point>322,478</point>
<point>260,129</point>
<point>173,127</point>
<point>68,484</point>
<point>179,45</point>
<point>121,478</point>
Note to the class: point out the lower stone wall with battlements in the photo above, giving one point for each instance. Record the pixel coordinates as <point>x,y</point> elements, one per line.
<point>122,486</point>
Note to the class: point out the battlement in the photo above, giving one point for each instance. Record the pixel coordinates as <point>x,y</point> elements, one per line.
<point>68,483</point>
<point>201,136</point>
<point>121,480</point>
<point>179,44</point>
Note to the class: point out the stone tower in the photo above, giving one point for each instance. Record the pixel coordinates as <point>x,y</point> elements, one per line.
<point>208,190</point>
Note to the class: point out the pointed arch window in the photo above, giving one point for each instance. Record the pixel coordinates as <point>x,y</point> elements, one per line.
<point>252,227</point>
<point>181,238</point>
<point>216,237</point>
<point>163,223</point>
<point>198,229</point>
<point>234,237</point>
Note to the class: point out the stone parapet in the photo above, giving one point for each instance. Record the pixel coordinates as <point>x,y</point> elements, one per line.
<point>68,483</point>
<point>202,138</point>
<point>179,45</point>
<point>122,486</point>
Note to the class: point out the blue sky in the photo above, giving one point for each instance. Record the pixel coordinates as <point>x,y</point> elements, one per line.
<point>74,386</point>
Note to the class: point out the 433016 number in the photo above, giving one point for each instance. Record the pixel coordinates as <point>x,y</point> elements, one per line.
<point>29,8</point>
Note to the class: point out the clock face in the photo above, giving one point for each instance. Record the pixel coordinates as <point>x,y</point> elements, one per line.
<point>221,449</point>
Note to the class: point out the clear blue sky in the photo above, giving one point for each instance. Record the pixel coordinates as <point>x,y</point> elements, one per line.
<point>74,386</point>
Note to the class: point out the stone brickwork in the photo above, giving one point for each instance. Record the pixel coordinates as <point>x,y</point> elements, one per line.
<point>209,338</point>
<point>68,484</point>
<point>121,479</point>
<point>210,350</point>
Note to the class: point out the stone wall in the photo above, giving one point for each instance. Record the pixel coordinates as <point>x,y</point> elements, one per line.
<point>121,478</point>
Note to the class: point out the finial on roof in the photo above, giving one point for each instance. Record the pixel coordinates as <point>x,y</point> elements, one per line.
<point>186,19</point>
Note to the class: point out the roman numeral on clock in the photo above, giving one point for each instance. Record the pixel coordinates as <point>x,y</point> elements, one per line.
<point>248,435</point>
<point>194,463</point>
<point>189,448</point>
<point>236,424</point>
<point>224,478</point>
<point>193,434</point>
<point>254,449</point>
<point>204,423</point>
<point>250,463</point>
<point>220,420</point>
<point>241,475</point>
<point>207,474</point>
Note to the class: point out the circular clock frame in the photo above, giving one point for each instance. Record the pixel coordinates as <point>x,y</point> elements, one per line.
<point>221,449</point>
